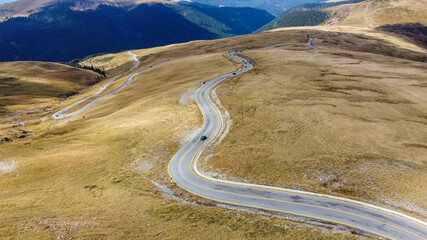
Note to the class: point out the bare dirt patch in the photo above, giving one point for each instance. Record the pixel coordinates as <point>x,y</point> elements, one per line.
<point>187,97</point>
<point>223,90</point>
<point>7,167</point>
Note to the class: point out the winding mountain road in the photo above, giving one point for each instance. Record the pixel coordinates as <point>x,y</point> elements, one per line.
<point>182,169</point>
<point>62,113</point>
<point>356,215</point>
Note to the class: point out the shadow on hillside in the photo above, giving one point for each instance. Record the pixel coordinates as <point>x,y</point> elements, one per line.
<point>415,31</point>
<point>18,92</point>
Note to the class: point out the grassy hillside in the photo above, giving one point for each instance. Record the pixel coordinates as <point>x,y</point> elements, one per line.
<point>376,13</point>
<point>405,17</point>
<point>415,32</point>
<point>105,176</point>
<point>341,121</point>
<point>303,15</point>
<point>28,89</point>
<point>27,85</point>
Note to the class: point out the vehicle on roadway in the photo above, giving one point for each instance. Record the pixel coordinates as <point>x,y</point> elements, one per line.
<point>203,138</point>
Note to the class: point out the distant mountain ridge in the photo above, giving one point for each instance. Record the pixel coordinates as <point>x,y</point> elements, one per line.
<point>22,8</point>
<point>59,33</point>
<point>274,7</point>
<point>27,7</point>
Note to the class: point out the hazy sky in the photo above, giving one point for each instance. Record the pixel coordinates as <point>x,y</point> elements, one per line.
<point>6,1</point>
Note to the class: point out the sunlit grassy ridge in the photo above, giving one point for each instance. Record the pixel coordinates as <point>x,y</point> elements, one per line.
<point>376,13</point>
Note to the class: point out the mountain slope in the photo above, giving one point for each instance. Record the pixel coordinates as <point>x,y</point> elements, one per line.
<point>376,13</point>
<point>26,7</point>
<point>347,120</point>
<point>21,8</point>
<point>297,16</point>
<point>20,87</point>
<point>59,33</point>
<point>224,21</point>
<point>274,7</point>
<point>404,17</point>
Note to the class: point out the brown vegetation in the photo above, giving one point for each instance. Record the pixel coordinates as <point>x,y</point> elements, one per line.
<point>105,176</point>
<point>27,85</point>
<point>376,13</point>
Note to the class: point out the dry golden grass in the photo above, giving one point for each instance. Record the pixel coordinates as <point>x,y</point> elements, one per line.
<point>393,39</point>
<point>402,18</point>
<point>339,121</point>
<point>112,64</point>
<point>25,84</point>
<point>376,13</point>
<point>85,179</point>
<point>118,63</point>
<point>35,86</point>
<point>92,177</point>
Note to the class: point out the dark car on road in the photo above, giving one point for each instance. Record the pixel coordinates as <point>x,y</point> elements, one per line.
<point>203,138</point>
